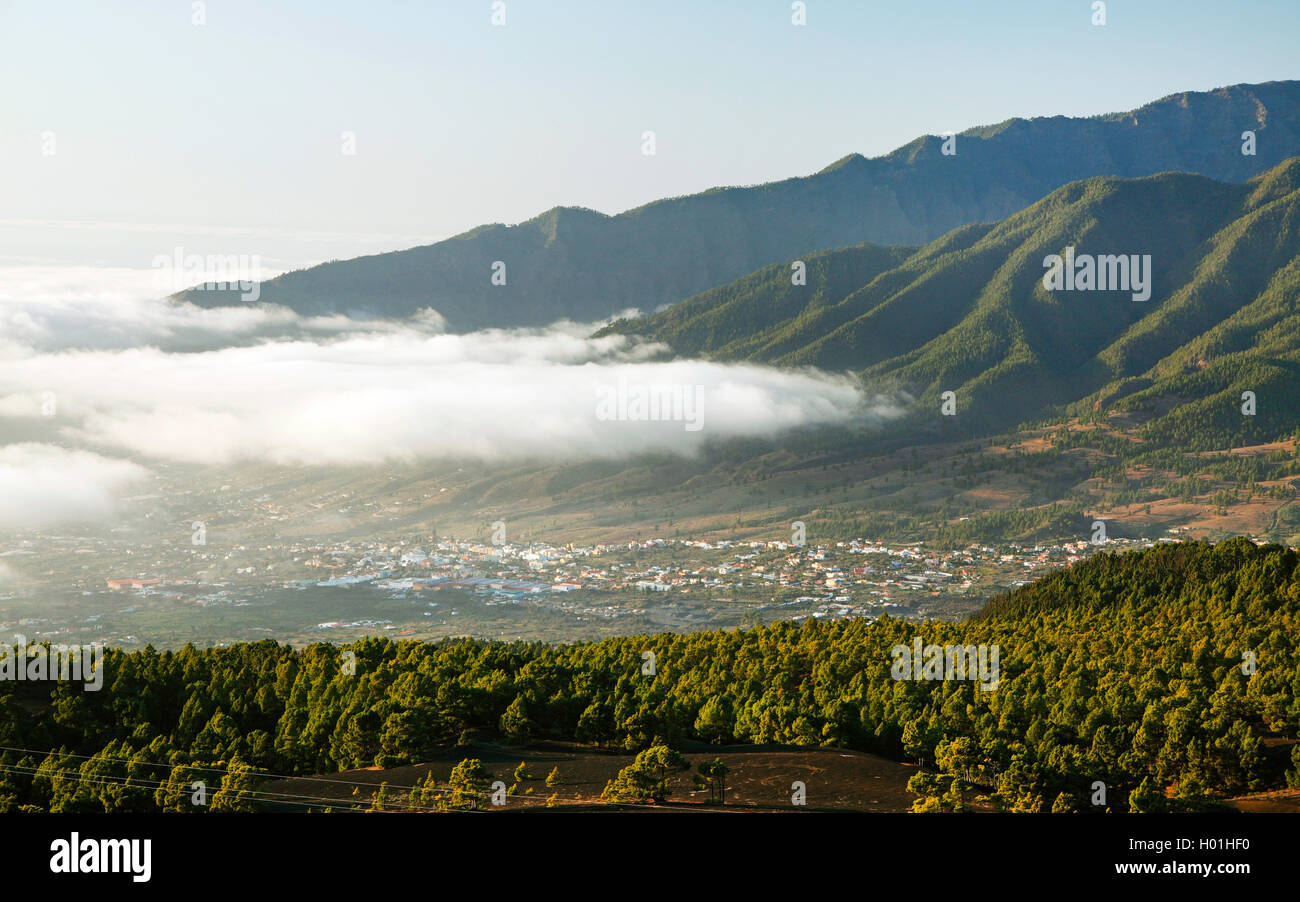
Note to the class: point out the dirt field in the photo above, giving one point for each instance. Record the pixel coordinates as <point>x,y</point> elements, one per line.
<point>1282,801</point>
<point>760,779</point>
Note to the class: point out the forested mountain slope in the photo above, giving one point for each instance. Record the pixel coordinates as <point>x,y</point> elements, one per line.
<point>970,313</point>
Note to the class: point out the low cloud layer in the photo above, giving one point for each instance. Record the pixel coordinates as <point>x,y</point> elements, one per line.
<point>120,377</point>
<point>52,308</point>
<point>490,396</point>
<point>42,485</point>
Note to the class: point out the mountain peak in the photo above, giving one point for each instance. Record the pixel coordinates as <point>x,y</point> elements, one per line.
<point>845,162</point>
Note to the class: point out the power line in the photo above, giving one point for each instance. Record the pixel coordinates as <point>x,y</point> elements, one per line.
<point>138,783</point>
<point>219,770</point>
<point>437,787</point>
<point>271,796</point>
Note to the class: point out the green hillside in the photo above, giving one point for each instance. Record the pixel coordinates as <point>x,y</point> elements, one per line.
<point>969,313</point>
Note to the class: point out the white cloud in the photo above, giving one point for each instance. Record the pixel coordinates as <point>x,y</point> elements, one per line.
<point>125,377</point>
<point>53,308</point>
<point>46,484</point>
<point>365,399</point>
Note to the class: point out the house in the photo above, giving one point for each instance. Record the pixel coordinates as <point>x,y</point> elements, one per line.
<point>120,585</point>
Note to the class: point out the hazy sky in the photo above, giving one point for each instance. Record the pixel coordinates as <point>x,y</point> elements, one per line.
<point>227,137</point>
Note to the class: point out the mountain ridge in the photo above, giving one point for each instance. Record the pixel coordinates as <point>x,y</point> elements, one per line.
<point>580,264</point>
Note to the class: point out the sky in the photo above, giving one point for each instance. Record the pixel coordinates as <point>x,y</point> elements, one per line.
<point>290,133</point>
<point>227,137</point>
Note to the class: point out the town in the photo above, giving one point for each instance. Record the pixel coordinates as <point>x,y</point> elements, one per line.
<point>342,590</point>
